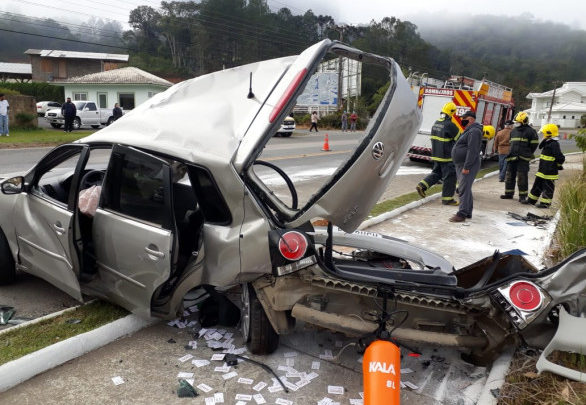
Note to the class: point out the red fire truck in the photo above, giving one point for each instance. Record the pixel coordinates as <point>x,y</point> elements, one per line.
<point>492,103</point>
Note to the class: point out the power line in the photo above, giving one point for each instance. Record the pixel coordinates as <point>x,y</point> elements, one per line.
<point>63,39</point>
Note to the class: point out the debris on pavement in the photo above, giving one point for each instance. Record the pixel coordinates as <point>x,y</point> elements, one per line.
<point>117,380</point>
<point>6,314</point>
<point>530,219</point>
<point>186,390</point>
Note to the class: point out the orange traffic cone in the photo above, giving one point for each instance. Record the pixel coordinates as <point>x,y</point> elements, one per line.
<point>326,147</point>
<point>381,373</point>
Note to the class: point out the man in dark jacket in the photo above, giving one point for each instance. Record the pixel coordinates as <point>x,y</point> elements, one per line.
<point>69,111</point>
<point>524,141</point>
<point>550,161</point>
<point>466,157</point>
<point>443,136</point>
<point>116,112</point>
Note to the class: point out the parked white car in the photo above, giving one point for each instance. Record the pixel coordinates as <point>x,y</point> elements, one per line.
<point>44,106</point>
<point>287,127</point>
<point>88,114</point>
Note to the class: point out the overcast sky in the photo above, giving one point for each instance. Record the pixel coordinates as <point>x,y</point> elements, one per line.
<point>569,12</point>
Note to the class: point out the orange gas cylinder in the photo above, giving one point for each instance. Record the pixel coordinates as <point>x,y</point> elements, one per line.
<point>381,373</point>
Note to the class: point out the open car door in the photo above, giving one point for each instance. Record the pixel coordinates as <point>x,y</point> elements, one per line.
<point>133,229</point>
<point>357,184</point>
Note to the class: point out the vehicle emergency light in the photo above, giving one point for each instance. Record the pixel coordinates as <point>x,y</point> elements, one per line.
<point>523,301</point>
<point>292,245</point>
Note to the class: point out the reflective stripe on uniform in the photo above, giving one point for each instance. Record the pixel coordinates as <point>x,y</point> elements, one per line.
<point>528,159</point>
<point>535,141</point>
<point>424,184</point>
<point>438,159</point>
<point>546,200</point>
<point>511,159</point>
<point>523,193</point>
<point>532,197</point>
<point>518,139</point>
<point>548,158</point>
<point>439,138</point>
<point>509,191</point>
<point>447,198</point>
<point>547,176</point>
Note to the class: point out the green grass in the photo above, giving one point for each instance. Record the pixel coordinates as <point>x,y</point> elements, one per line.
<point>25,340</point>
<point>389,205</point>
<point>570,235</point>
<point>38,136</point>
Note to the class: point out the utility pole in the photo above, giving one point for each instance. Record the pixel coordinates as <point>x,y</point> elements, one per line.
<point>555,85</point>
<point>340,69</point>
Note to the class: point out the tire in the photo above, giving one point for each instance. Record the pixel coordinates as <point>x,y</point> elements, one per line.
<point>95,126</point>
<point>258,333</point>
<point>287,134</point>
<point>56,125</point>
<point>7,267</point>
<point>76,123</point>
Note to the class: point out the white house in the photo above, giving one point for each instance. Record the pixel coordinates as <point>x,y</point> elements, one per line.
<point>129,86</point>
<point>569,105</point>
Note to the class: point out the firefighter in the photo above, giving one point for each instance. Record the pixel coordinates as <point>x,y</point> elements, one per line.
<point>443,136</point>
<point>550,161</point>
<point>488,132</point>
<point>523,142</point>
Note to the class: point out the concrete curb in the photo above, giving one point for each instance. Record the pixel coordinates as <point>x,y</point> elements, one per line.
<point>20,370</point>
<point>496,378</point>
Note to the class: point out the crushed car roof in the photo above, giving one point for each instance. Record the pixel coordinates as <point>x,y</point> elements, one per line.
<point>200,119</point>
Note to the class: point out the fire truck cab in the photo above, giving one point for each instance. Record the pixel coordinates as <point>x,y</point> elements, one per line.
<point>492,103</point>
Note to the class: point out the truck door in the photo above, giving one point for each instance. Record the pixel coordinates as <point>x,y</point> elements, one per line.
<point>91,114</point>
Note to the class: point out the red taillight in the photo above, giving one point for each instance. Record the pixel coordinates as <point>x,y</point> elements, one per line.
<point>525,296</point>
<point>292,245</point>
<point>287,95</point>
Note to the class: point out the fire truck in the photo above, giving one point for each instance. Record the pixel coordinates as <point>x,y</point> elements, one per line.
<point>492,103</point>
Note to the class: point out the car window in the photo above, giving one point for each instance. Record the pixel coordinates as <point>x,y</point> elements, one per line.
<point>54,105</point>
<point>137,186</point>
<point>211,202</point>
<point>91,106</point>
<point>53,181</point>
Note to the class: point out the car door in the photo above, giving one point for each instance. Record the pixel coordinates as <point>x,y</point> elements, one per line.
<point>91,114</point>
<point>133,228</point>
<point>44,215</point>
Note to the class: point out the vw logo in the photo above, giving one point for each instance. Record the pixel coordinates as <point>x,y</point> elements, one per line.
<point>378,150</point>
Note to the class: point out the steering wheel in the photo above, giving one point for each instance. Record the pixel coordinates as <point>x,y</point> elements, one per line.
<point>91,178</point>
<point>281,173</point>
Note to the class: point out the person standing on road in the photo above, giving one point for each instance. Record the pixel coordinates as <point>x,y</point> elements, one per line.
<point>4,107</point>
<point>502,146</point>
<point>443,136</point>
<point>353,120</point>
<point>550,161</point>
<point>116,112</point>
<point>466,157</point>
<point>313,121</point>
<point>524,141</point>
<point>68,110</point>
<point>344,121</point>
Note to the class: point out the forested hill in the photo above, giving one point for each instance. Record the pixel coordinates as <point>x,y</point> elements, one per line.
<point>187,38</point>
<point>519,52</point>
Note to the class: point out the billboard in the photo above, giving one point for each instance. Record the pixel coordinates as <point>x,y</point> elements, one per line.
<point>322,89</point>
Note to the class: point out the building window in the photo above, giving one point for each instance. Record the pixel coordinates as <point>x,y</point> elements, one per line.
<point>103,100</point>
<point>564,117</point>
<point>573,117</point>
<point>79,96</point>
<point>126,101</point>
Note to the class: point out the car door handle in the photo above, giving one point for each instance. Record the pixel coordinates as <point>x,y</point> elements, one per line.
<point>153,253</point>
<point>59,228</point>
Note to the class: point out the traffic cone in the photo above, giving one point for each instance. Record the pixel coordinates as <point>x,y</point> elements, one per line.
<point>326,147</point>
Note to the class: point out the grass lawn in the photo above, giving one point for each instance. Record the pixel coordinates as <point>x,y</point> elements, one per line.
<point>22,341</point>
<point>39,137</point>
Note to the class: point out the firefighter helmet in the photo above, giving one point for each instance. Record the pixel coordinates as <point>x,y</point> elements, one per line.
<point>449,109</point>
<point>488,131</point>
<point>549,130</point>
<point>522,117</point>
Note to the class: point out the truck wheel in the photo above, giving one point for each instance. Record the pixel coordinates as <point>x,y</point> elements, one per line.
<point>76,123</point>
<point>95,126</point>
<point>258,333</point>
<point>56,125</point>
<point>7,268</point>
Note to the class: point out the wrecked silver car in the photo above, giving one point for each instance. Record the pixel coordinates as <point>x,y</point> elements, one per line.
<point>173,199</point>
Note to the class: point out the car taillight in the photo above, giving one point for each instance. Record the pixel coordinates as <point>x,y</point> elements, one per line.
<point>287,95</point>
<point>525,296</point>
<point>292,245</point>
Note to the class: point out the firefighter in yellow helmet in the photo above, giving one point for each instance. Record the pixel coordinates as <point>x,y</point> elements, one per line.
<point>443,136</point>
<point>523,142</point>
<point>550,161</point>
<point>488,133</point>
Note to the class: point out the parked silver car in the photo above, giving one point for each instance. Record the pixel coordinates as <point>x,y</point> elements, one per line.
<point>178,203</point>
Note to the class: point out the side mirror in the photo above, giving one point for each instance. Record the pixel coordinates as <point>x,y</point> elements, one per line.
<point>14,185</point>
<point>86,109</point>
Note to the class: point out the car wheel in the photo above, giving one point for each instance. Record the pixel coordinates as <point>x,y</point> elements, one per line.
<point>287,134</point>
<point>258,333</point>
<point>76,123</point>
<point>7,267</point>
<point>56,125</point>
